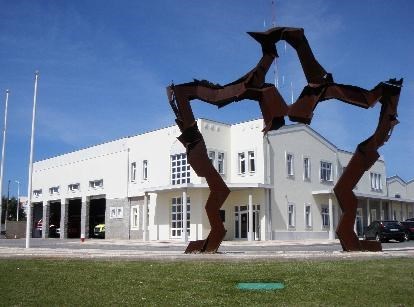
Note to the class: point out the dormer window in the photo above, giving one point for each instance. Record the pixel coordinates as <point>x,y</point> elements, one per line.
<point>54,190</point>
<point>95,184</point>
<point>376,182</point>
<point>73,187</point>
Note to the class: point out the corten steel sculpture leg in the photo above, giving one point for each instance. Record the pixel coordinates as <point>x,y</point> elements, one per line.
<point>251,86</point>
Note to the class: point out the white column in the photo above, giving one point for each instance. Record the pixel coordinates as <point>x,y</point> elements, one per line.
<point>250,235</point>
<point>145,218</point>
<point>368,213</point>
<point>381,213</point>
<point>184,234</point>
<point>331,218</point>
<point>2,157</point>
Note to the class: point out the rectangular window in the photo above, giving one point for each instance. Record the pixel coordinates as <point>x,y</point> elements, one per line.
<point>177,217</point>
<point>326,171</point>
<point>308,216</point>
<point>289,164</point>
<point>116,212</point>
<point>94,184</point>
<point>180,170</point>
<point>376,183</point>
<point>212,157</point>
<point>325,216</point>
<point>37,193</point>
<point>291,215</point>
<point>135,217</point>
<point>54,190</point>
<point>306,169</point>
<point>252,166</point>
<point>133,171</point>
<point>242,163</point>
<point>144,169</point>
<point>73,187</point>
<point>220,162</point>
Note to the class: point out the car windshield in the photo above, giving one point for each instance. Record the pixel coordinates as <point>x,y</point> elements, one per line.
<point>391,224</point>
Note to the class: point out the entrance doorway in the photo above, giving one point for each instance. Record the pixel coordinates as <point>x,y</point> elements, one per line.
<point>74,218</point>
<point>241,222</point>
<point>54,219</point>
<point>97,209</point>
<point>37,220</point>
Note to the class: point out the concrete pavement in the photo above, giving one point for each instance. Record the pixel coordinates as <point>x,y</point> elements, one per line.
<point>173,250</point>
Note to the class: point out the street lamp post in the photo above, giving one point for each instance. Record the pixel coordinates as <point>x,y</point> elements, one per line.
<point>18,199</point>
<point>29,185</point>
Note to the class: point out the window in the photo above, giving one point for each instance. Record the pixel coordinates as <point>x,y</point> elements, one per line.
<point>144,169</point>
<point>133,171</point>
<point>289,164</point>
<point>308,216</point>
<point>54,190</point>
<point>252,166</point>
<point>116,212</point>
<point>94,184</point>
<point>220,162</point>
<point>135,217</point>
<point>242,163</point>
<point>325,216</point>
<point>37,193</point>
<point>73,187</point>
<point>306,169</point>
<point>326,171</point>
<point>376,184</point>
<point>177,217</point>
<point>291,215</point>
<point>180,170</point>
<point>212,157</point>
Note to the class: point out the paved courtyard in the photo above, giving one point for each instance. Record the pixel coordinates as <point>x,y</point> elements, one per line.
<point>173,250</point>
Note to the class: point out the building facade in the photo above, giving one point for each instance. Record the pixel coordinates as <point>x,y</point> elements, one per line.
<point>142,187</point>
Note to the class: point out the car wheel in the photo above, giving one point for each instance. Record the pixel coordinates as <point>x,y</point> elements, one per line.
<point>365,237</point>
<point>406,237</point>
<point>378,238</point>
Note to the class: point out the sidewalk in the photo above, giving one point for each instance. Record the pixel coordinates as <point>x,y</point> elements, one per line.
<point>173,250</point>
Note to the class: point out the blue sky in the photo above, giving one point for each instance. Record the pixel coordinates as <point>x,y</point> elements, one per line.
<point>104,66</point>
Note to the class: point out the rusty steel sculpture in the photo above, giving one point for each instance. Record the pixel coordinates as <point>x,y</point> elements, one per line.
<point>252,86</point>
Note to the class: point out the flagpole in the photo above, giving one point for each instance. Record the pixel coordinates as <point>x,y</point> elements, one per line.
<point>2,156</point>
<point>29,185</point>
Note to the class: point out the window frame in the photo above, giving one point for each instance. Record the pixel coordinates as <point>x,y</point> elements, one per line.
<point>325,217</point>
<point>54,190</point>
<point>176,203</point>
<point>241,156</point>
<point>291,215</point>
<point>307,169</point>
<point>220,162</point>
<point>290,168</point>
<point>133,170</point>
<point>177,174</point>
<point>96,184</point>
<point>322,168</point>
<point>145,169</point>
<point>308,216</point>
<point>376,182</point>
<point>133,215</point>
<point>251,158</point>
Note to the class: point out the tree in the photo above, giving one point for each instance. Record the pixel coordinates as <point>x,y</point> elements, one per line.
<point>9,208</point>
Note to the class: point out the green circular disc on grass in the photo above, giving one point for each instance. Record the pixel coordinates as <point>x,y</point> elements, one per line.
<point>260,286</point>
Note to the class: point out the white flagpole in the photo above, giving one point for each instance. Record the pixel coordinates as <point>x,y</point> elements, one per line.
<point>29,185</point>
<point>2,155</point>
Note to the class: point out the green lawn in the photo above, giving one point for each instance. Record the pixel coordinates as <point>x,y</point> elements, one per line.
<point>386,282</point>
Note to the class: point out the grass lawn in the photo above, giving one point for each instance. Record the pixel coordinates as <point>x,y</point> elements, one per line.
<point>376,282</point>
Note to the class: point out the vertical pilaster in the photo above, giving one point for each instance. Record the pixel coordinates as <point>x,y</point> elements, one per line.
<point>185,233</point>
<point>368,213</point>
<point>145,218</point>
<point>85,217</point>
<point>331,219</point>
<point>250,221</point>
<point>64,210</point>
<point>45,220</point>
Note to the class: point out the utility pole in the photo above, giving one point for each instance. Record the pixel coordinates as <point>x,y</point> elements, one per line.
<point>7,205</point>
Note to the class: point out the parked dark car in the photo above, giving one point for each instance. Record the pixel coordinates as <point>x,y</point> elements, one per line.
<point>383,231</point>
<point>409,229</point>
<point>410,219</point>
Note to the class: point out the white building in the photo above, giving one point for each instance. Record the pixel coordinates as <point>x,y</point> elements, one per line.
<point>282,183</point>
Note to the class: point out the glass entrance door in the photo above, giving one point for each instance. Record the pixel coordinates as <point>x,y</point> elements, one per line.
<point>241,222</point>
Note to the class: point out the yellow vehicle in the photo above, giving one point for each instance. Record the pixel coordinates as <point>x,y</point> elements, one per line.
<point>99,231</point>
